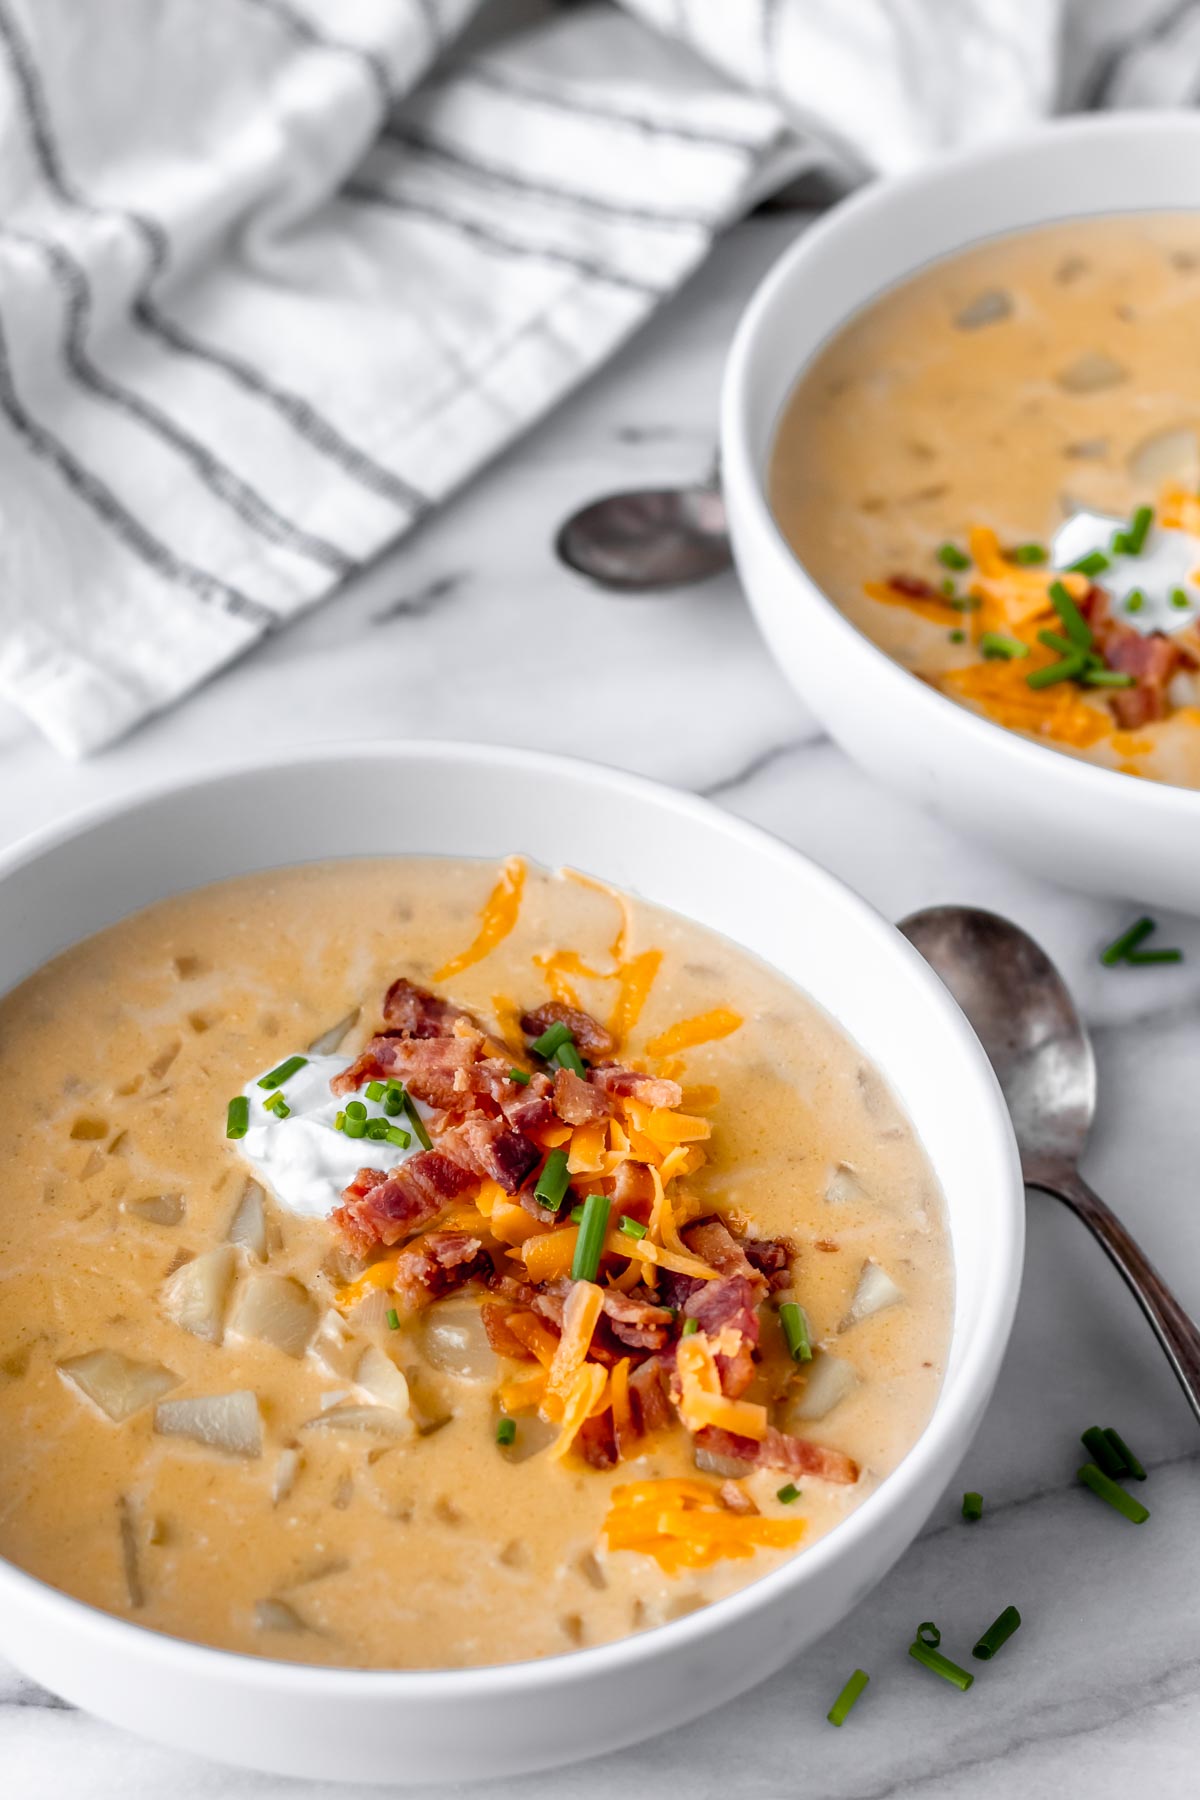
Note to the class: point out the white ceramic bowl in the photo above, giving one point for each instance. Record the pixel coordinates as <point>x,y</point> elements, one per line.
<point>464,801</point>
<point>1086,826</point>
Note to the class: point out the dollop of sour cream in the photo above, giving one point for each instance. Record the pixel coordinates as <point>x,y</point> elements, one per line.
<point>1169,562</point>
<point>304,1160</point>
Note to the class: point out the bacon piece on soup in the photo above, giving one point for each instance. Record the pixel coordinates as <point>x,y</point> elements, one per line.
<point>596,1443</point>
<point>576,1101</point>
<point>494,1150</point>
<point>713,1242</point>
<point>382,1209</point>
<point>637,1323</point>
<point>913,587</point>
<point>429,1068</point>
<point>728,1305</point>
<point>631,1084</point>
<point>1152,658</point>
<point>772,1257</point>
<point>779,1450</point>
<point>591,1038</point>
<point>437,1264</point>
<point>416,1013</point>
<point>649,1401</point>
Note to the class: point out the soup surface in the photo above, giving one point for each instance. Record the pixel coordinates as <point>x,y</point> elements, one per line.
<point>990,428</point>
<point>363,1441</point>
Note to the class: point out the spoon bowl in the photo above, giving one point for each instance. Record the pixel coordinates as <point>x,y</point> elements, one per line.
<point>646,540</point>
<point>1026,1020</point>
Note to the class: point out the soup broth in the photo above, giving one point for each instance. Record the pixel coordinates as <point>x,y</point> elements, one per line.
<point>337,1514</point>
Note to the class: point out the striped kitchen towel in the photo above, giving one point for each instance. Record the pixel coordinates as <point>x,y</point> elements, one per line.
<point>277,275</point>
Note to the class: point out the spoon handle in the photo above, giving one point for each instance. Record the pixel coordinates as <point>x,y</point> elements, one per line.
<point>1175,1329</point>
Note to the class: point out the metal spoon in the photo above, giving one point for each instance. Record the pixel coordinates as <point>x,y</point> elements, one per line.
<point>1026,1020</point>
<point>652,539</point>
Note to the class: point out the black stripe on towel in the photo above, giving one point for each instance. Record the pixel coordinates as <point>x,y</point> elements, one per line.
<point>370,193</point>
<point>304,418</point>
<point>217,477</point>
<point>512,181</point>
<point>101,501</point>
<point>506,81</point>
<point>1112,63</point>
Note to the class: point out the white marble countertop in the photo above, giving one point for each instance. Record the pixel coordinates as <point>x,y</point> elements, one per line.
<point>462,633</point>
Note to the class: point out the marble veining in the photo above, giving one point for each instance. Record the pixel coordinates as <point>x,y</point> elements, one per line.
<point>472,630</point>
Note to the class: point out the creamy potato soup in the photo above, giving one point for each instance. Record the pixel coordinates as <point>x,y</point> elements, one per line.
<point>421,1263</point>
<point>994,470</point>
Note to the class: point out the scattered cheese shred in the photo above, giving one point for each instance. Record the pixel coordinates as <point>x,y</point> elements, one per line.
<point>581,1315</point>
<point>701,1401</point>
<point>380,1274</point>
<point>537,1337</point>
<point>634,981</point>
<point>585,1399</point>
<point>683,1525</point>
<point>617,949</point>
<point>521,1393</point>
<point>550,1254</point>
<point>497,919</point>
<point>587,1148</point>
<point>705,1028</point>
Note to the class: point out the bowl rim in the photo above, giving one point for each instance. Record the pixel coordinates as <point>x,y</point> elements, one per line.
<point>945,1434</point>
<point>740,471</point>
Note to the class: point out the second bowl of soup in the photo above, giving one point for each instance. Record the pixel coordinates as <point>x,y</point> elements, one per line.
<point>963,461</point>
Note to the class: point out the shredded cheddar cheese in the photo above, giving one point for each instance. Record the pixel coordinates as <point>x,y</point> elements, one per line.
<point>585,1399</point>
<point>701,1401</point>
<point>682,1525</point>
<point>705,1028</point>
<point>496,921</point>
<point>584,1304</point>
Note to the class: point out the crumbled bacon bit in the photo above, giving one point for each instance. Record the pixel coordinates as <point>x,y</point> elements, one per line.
<point>576,1101</point>
<point>779,1450</point>
<point>503,1341</point>
<point>590,1036</point>
<point>735,1498</point>
<point>416,1013</point>
<point>392,1207</point>
<point>631,1084</point>
<point>913,587</point>
<point>436,1264</point>
<point>639,1324</point>
<point>729,1305</point>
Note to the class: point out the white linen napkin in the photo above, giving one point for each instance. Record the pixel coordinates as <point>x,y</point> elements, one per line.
<point>269,289</point>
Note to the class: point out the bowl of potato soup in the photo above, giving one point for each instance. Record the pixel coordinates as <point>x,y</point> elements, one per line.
<point>497,1257</point>
<point>961,450</point>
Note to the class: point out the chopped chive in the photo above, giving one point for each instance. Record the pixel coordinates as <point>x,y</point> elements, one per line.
<point>375,1090</point>
<point>552,1183</point>
<point>929,1635</point>
<point>1154,956</point>
<point>283,1073</point>
<point>1024,554</point>
<point>378,1130</point>
<point>1179,597</point>
<point>941,1665</point>
<point>1134,600</point>
<point>689,1325</point>
<point>568,1057</point>
<point>576,1214</point>
<point>589,1246</point>
<point>1054,640</point>
<point>788,1492</point>
<point>393,1102</point>
<point>966,602</point>
<point>1067,670</point>
<point>355,1109</point>
<point>283,1110</point>
<point>795,1330</point>
<point>416,1121</point>
<point>840,1710</point>
<point>972,1507</point>
<point>1128,940</point>
<point>506,1431</point>
<point>237,1117</point>
<point>1073,621</point>
<point>1107,1489</point>
<point>957,637</point>
<point>522,1077</point>
<point>393,1319</point>
<point>994,643</point>
<point>997,1634</point>
<point>399,1137</point>
<point>272,1102</point>
<point>1119,543</point>
<point>947,587</point>
<point>354,1128</point>
<point>1139,530</point>
<point>551,1038</point>
<point>1101,1451</point>
<point>1094,563</point>
<point>1109,678</point>
<point>339,1123</point>
<point>1121,1448</point>
<point>951,557</point>
<point>631,1228</point>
